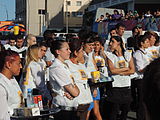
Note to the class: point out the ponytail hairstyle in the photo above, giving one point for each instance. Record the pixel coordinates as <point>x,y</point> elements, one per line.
<point>75,45</point>
<point>141,39</point>
<point>119,39</point>
<point>32,55</point>
<point>56,45</point>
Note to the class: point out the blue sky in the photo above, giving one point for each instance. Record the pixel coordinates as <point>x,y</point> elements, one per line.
<point>7,7</point>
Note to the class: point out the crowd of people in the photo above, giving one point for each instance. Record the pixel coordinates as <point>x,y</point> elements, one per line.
<point>60,71</point>
<point>130,15</point>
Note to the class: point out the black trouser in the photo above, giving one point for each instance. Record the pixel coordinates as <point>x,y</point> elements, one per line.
<point>119,100</point>
<point>79,114</point>
<point>82,111</point>
<point>137,96</point>
<point>65,115</point>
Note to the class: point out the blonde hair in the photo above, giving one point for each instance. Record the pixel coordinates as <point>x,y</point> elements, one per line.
<point>28,38</point>
<point>32,55</point>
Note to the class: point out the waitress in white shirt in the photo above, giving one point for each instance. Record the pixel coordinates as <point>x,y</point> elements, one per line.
<point>34,75</point>
<point>153,52</point>
<point>63,85</point>
<point>78,71</point>
<point>121,65</point>
<point>91,66</point>
<point>141,61</point>
<point>10,92</point>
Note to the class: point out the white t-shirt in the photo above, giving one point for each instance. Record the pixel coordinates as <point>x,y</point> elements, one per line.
<point>141,61</point>
<point>59,77</point>
<point>35,78</point>
<point>106,45</point>
<point>80,76</point>
<point>20,51</point>
<point>153,52</point>
<point>10,97</point>
<point>7,46</point>
<point>49,56</point>
<point>120,62</point>
<point>89,64</point>
<point>44,69</point>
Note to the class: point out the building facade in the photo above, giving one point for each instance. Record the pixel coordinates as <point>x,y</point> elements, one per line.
<point>74,10</point>
<point>39,15</point>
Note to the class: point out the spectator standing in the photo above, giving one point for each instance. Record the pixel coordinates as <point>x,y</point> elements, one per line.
<point>132,41</point>
<point>121,66</point>
<point>63,85</point>
<point>21,49</point>
<point>49,37</point>
<point>116,15</point>
<point>141,61</point>
<point>33,74</point>
<point>152,50</point>
<point>111,33</point>
<point>120,28</point>
<point>12,42</point>
<point>148,14</point>
<point>79,73</point>
<point>100,19</point>
<point>10,92</point>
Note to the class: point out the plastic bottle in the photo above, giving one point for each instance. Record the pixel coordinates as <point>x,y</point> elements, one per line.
<point>29,98</point>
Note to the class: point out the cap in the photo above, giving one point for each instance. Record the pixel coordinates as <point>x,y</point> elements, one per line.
<point>139,26</point>
<point>135,12</point>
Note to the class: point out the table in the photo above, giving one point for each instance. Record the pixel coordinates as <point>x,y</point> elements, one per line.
<point>44,115</point>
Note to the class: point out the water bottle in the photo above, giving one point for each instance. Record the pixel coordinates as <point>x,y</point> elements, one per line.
<point>29,98</point>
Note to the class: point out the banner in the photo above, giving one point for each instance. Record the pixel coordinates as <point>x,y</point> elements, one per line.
<point>103,28</point>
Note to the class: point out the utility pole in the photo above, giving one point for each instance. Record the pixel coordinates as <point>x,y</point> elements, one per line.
<point>6,12</point>
<point>66,17</point>
<point>46,13</point>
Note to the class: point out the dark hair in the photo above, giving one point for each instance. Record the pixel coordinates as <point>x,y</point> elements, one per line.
<point>151,90</point>
<point>11,37</point>
<point>112,29</point>
<point>5,56</point>
<point>42,44</point>
<point>102,16</point>
<point>119,39</point>
<point>88,39</point>
<point>116,11</point>
<point>71,39</point>
<point>48,34</point>
<point>150,33</point>
<point>157,40</point>
<point>100,40</point>
<point>48,37</point>
<point>141,38</point>
<point>75,45</point>
<point>19,37</point>
<point>134,28</point>
<point>33,46</point>
<point>82,33</point>
<point>56,45</point>
<point>118,25</point>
